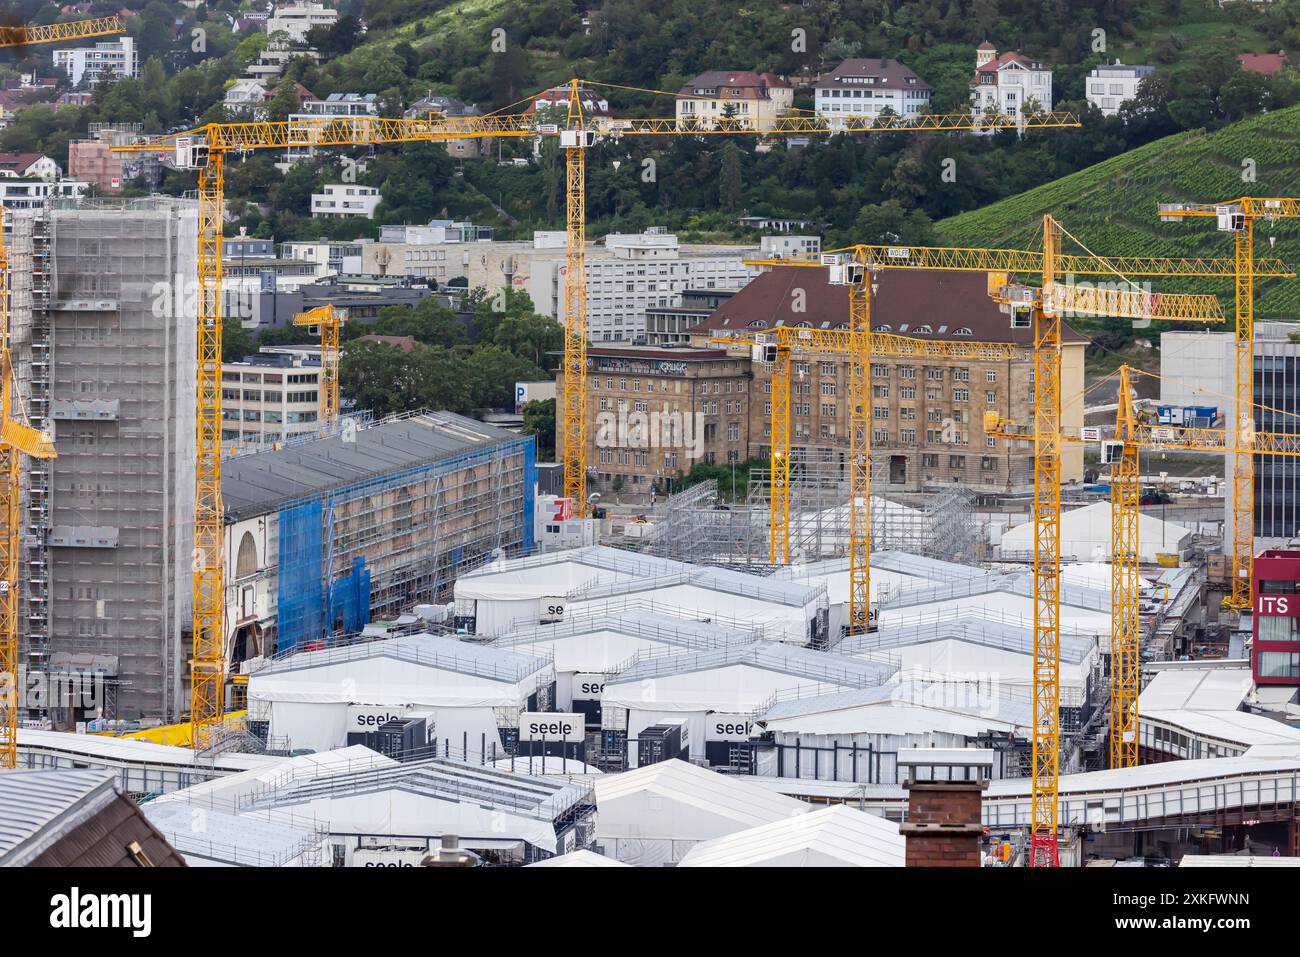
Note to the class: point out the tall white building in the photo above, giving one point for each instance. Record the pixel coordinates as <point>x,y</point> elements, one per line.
<point>634,273</point>
<point>106,60</point>
<point>295,19</point>
<point>868,88</point>
<point>1109,87</point>
<point>1007,81</point>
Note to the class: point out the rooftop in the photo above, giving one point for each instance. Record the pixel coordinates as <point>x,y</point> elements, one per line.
<point>888,75</point>
<point>922,304</point>
<point>257,484</point>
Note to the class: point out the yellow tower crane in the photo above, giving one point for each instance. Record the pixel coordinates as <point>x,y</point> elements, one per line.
<point>22,34</point>
<point>205,149</point>
<point>1238,216</point>
<point>17,438</point>
<point>329,320</point>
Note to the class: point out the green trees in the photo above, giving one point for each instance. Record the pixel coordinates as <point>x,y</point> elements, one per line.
<point>539,420</point>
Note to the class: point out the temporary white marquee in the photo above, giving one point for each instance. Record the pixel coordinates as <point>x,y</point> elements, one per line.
<point>836,836</point>
<point>654,815</point>
<point>1086,534</point>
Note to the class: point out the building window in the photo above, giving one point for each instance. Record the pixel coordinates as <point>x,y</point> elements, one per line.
<point>1279,664</point>
<point>1277,628</point>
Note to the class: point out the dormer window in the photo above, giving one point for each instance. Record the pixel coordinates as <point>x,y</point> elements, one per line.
<point>963,331</point>
<point>884,327</point>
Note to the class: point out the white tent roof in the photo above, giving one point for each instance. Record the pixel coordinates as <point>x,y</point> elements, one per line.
<point>1086,535</point>
<point>580,859</point>
<point>1239,727</point>
<point>836,836</point>
<point>1097,576</point>
<point>412,669</point>
<point>1196,689</point>
<point>673,800</point>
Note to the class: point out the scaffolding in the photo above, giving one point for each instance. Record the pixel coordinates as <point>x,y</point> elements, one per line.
<point>374,548</point>
<point>695,526</point>
<point>946,528</point>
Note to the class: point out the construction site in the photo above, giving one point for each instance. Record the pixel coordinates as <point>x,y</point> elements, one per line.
<point>384,640</point>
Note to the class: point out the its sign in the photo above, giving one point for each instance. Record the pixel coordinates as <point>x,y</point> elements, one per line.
<point>1273,604</point>
<point>728,727</point>
<point>553,726</point>
<point>588,687</point>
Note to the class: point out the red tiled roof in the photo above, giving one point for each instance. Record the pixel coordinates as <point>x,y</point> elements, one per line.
<point>18,162</point>
<point>905,301</point>
<point>753,85</point>
<point>1002,59</point>
<point>890,75</point>
<point>405,343</point>
<point>1268,64</point>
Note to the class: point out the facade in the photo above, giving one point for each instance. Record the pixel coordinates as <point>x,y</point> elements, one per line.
<point>325,535</point>
<point>329,258</point>
<point>747,97</point>
<point>1110,87</point>
<point>268,398</point>
<point>295,19</point>
<point>868,88</point>
<point>345,199</point>
<point>672,325</point>
<point>636,272</point>
<point>104,62</point>
<point>29,166</point>
<point>1005,82</point>
<point>927,415</point>
<point>653,413</point>
<point>35,193</point>
<point>116,530</point>
<point>788,246</point>
<point>1275,652</point>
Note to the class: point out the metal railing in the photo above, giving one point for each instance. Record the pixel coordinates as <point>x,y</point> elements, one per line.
<point>476,661</point>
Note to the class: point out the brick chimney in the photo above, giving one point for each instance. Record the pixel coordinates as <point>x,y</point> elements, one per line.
<point>945,788</point>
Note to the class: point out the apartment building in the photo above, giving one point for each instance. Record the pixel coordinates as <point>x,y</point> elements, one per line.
<point>102,63</point>
<point>345,199</point>
<point>330,258</point>
<point>269,397</point>
<point>633,274</point>
<point>1110,87</point>
<point>927,415</point>
<point>867,88</point>
<point>33,193</point>
<point>747,97</point>
<point>672,325</point>
<point>294,20</point>
<point>788,246</point>
<point>1005,82</point>
<point>652,413</point>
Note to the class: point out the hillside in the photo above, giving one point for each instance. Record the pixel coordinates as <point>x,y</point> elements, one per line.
<point>1112,206</point>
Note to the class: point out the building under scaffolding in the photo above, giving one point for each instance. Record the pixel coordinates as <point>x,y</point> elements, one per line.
<point>103,346</point>
<point>325,535</point>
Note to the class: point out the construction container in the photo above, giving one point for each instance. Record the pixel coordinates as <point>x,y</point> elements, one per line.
<point>661,742</point>
<point>1167,559</point>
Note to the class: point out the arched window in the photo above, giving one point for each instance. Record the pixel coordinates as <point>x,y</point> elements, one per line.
<point>884,327</point>
<point>924,331</point>
<point>963,331</point>
<point>246,557</point>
